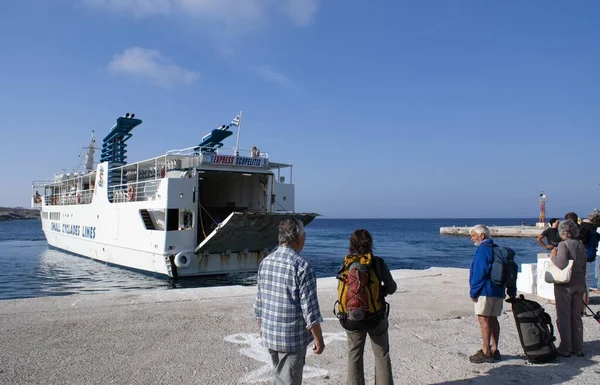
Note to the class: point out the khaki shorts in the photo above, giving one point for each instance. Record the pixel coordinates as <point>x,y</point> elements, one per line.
<point>489,306</point>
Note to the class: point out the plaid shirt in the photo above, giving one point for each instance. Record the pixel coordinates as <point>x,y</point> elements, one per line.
<point>286,301</point>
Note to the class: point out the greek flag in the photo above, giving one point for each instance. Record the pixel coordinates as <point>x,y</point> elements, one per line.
<point>236,121</point>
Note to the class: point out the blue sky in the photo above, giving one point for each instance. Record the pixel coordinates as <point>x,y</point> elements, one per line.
<point>386,109</point>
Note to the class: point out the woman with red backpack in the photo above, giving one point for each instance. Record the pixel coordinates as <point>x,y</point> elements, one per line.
<point>364,282</point>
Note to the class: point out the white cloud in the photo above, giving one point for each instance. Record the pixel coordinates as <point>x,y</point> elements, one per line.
<point>273,76</point>
<point>301,11</point>
<point>151,65</point>
<point>228,12</point>
<point>135,7</point>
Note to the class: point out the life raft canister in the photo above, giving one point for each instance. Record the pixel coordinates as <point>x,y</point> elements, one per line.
<point>130,193</point>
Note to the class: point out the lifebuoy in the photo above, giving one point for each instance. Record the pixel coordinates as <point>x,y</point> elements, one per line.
<point>130,193</point>
<point>182,260</point>
<point>162,172</point>
<point>78,197</point>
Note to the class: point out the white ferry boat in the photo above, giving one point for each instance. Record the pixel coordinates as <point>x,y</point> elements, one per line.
<point>202,210</point>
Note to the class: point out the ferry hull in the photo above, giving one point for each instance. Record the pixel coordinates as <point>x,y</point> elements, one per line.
<point>200,264</point>
<point>238,245</point>
<point>113,254</point>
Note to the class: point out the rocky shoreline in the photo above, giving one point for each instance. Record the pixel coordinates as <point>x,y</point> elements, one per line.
<point>17,213</point>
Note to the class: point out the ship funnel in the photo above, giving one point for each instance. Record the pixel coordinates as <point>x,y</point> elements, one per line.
<point>114,146</point>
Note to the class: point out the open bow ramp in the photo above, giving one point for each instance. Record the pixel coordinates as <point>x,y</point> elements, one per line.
<point>250,232</point>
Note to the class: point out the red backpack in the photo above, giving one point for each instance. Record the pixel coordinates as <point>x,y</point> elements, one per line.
<point>359,302</point>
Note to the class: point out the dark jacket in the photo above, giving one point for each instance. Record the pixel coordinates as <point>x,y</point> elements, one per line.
<point>585,229</point>
<point>382,271</point>
<point>585,232</point>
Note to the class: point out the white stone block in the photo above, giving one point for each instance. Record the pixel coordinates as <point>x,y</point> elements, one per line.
<point>532,289</point>
<point>526,279</point>
<point>529,268</point>
<point>526,284</point>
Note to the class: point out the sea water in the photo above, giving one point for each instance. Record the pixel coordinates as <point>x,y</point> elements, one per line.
<point>29,268</point>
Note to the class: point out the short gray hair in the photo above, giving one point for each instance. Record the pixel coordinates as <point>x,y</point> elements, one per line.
<point>481,229</point>
<point>290,230</point>
<point>568,228</point>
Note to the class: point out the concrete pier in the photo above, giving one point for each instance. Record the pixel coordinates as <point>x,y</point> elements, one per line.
<point>497,231</point>
<point>209,336</point>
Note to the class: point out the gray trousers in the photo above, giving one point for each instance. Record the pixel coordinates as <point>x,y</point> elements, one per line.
<point>569,305</point>
<point>288,367</point>
<point>381,349</point>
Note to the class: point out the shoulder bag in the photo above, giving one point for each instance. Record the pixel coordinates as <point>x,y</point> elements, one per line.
<point>556,275</point>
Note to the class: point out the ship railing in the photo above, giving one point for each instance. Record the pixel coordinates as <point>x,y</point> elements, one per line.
<point>155,168</point>
<point>41,183</point>
<point>61,180</point>
<point>36,187</point>
<point>136,191</point>
<point>198,151</point>
<point>81,197</point>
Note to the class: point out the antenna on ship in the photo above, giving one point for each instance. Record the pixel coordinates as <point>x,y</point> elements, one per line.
<point>237,121</point>
<point>89,157</point>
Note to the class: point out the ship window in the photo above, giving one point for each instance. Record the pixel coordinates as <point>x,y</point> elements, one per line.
<point>172,219</point>
<point>186,221</point>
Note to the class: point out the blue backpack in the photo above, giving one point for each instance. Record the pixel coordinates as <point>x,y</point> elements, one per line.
<point>504,270</point>
<point>592,245</point>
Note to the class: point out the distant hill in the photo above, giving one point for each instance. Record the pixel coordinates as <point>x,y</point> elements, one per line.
<point>14,213</point>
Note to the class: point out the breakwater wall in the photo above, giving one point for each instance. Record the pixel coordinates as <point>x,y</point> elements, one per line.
<point>496,231</point>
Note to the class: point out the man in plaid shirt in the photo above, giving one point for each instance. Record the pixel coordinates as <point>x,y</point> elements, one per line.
<point>286,305</point>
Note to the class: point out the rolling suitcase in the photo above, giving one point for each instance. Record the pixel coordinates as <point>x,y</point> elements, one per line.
<point>535,330</point>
